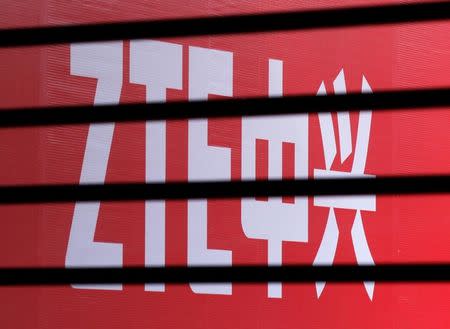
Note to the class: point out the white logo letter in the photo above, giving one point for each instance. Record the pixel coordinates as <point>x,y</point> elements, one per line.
<point>210,72</point>
<point>158,66</point>
<point>104,62</point>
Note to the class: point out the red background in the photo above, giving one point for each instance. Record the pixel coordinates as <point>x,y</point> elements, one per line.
<point>403,229</point>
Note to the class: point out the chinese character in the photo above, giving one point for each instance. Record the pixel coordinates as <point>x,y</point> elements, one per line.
<point>327,248</point>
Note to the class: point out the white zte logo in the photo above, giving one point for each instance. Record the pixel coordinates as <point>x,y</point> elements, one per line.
<point>159,66</point>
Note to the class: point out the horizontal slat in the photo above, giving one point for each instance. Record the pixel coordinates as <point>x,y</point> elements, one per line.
<point>220,190</point>
<point>299,20</point>
<point>387,100</point>
<point>242,274</point>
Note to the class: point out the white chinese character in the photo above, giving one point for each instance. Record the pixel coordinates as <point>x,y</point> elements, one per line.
<point>274,220</point>
<point>327,249</point>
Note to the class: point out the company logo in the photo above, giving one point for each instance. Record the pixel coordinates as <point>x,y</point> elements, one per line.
<point>282,139</point>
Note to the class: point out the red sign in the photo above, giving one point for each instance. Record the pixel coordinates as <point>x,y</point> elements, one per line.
<point>367,230</point>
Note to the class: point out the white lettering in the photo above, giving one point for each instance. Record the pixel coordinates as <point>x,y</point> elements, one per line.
<point>104,62</point>
<point>210,72</point>
<point>158,66</point>
<point>274,220</point>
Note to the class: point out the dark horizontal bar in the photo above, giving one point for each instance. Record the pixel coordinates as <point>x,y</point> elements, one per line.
<point>219,190</point>
<point>282,21</point>
<point>238,274</point>
<point>386,100</point>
